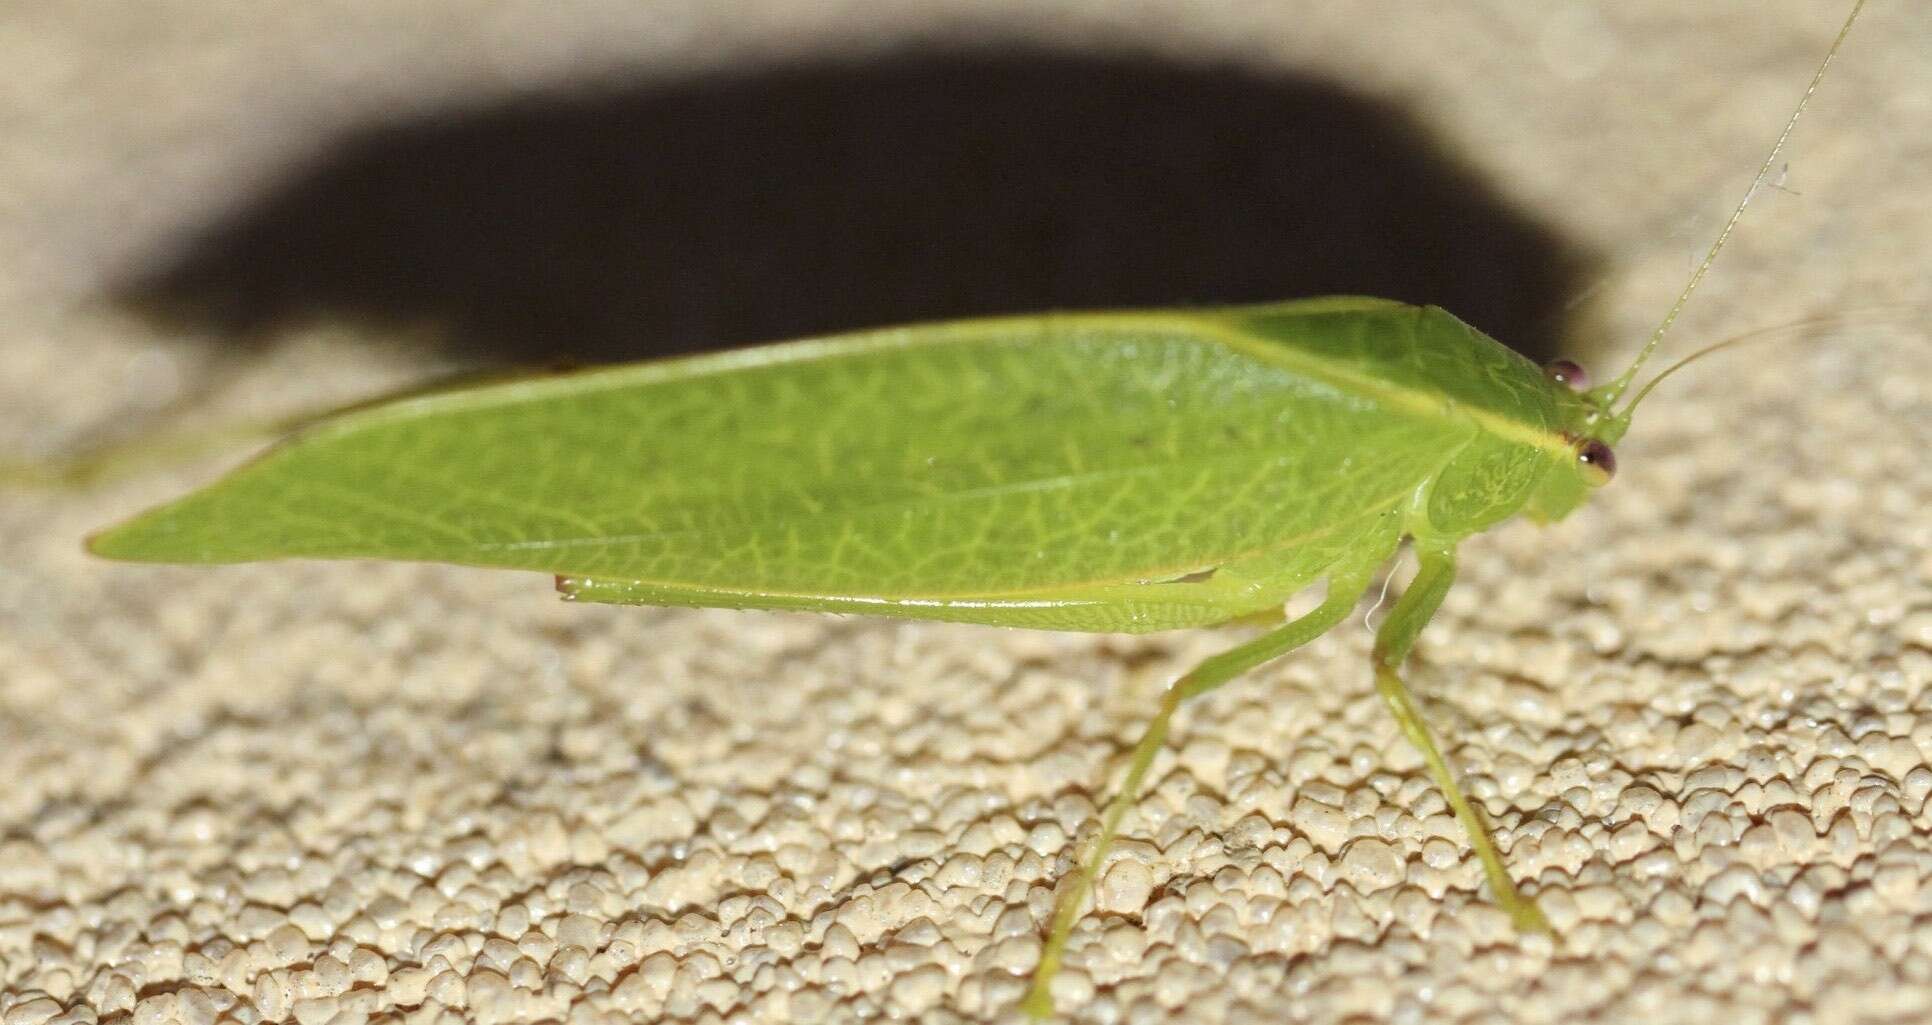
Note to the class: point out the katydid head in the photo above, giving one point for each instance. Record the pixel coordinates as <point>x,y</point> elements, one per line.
<point>1588,425</point>
<point>1591,423</point>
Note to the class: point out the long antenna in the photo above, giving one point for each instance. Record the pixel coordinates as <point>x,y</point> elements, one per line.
<point>1903,313</point>
<point>1617,387</point>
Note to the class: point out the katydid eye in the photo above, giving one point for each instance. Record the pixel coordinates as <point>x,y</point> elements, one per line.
<point>1599,464</point>
<point>1568,374</point>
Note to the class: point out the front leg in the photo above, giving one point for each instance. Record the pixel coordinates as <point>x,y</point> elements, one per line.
<point>1392,643</point>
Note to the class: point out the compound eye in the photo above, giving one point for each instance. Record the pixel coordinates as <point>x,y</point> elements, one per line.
<point>1568,374</point>
<point>1598,463</point>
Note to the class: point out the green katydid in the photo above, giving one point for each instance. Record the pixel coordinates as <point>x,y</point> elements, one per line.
<point>1112,471</point>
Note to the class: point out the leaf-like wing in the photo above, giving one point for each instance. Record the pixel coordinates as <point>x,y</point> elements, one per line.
<point>977,458</point>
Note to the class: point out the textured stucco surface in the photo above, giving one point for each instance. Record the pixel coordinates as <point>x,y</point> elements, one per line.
<point>1699,712</point>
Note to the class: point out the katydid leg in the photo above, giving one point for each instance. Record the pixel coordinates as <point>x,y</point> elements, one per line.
<point>1344,591</point>
<point>1392,643</point>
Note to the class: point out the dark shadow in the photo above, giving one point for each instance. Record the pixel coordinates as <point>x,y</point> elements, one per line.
<point>769,203</point>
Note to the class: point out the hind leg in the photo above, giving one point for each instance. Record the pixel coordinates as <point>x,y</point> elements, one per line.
<point>1344,590</point>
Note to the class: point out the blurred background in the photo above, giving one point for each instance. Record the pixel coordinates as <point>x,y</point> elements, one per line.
<point>664,211</point>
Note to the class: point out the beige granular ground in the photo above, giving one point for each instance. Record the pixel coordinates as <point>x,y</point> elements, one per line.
<point>1698,711</point>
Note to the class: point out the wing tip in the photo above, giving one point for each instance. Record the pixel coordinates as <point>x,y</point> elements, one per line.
<point>131,540</point>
